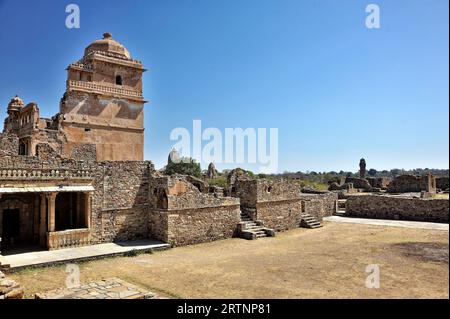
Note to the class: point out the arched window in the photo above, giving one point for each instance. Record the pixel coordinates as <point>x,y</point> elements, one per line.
<point>23,148</point>
<point>119,80</point>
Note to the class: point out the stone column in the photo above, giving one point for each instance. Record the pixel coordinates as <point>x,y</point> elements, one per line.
<point>51,197</point>
<point>43,221</point>
<point>36,213</point>
<point>87,209</point>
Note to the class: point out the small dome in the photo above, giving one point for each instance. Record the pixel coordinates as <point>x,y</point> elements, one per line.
<point>107,44</point>
<point>16,103</point>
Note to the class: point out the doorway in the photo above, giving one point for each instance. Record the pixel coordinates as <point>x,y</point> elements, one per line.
<point>10,228</point>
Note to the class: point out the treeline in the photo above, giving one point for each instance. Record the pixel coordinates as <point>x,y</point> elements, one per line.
<point>328,177</point>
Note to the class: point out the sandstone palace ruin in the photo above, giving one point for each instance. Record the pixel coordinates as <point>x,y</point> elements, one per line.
<point>79,178</point>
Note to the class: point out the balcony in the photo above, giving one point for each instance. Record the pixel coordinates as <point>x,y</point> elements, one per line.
<point>68,238</point>
<point>103,89</point>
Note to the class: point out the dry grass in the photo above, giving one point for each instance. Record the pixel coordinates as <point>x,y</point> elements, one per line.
<point>328,262</point>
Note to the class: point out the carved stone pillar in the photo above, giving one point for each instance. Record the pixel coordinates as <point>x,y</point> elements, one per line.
<point>87,209</point>
<point>36,213</point>
<point>51,197</point>
<point>43,221</point>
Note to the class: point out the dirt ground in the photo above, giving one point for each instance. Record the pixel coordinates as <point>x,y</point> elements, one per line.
<point>328,262</point>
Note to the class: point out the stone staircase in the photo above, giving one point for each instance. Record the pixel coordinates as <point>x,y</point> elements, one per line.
<point>309,221</point>
<point>250,229</point>
<point>341,208</point>
<point>4,267</point>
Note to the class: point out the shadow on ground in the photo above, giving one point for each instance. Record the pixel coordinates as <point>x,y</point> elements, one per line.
<point>437,252</point>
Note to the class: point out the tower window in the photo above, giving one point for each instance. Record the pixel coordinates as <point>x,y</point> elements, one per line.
<point>119,80</point>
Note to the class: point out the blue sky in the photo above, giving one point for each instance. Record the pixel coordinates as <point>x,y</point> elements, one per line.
<point>336,90</point>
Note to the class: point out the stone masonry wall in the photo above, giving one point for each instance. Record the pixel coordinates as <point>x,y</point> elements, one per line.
<point>379,182</point>
<point>119,202</point>
<point>320,205</point>
<point>412,183</point>
<point>280,215</point>
<point>9,144</point>
<point>442,183</point>
<point>186,215</point>
<point>192,226</point>
<point>394,207</point>
<point>279,204</point>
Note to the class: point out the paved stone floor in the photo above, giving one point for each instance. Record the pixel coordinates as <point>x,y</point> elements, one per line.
<point>112,288</point>
<point>384,222</point>
<point>41,258</point>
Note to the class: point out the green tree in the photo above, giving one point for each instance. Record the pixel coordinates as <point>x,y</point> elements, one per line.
<point>190,167</point>
<point>372,172</point>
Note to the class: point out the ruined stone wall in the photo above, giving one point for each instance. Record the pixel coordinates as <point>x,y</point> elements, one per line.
<point>280,215</point>
<point>120,200</point>
<point>53,138</point>
<point>320,205</point>
<point>185,215</point>
<point>84,152</point>
<point>10,289</point>
<point>395,207</point>
<point>256,191</point>
<point>412,183</point>
<point>359,183</point>
<point>379,182</point>
<point>280,203</point>
<point>178,192</point>
<point>192,226</point>
<point>9,144</point>
<point>124,224</point>
<point>158,225</point>
<point>442,183</point>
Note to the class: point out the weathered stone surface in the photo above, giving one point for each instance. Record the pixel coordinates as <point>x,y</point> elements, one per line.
<point>9,289</point>
<point>103,105</point>
<point>185,214</point>
<point>360,183</point>
<point>9,144</point>
<point>280,203</point>
<point>362,168</point>
<point>111,288</point>
<point>212,172</point>
<point>396,207</point>
<point>379,182</point>
<point>442,183</point>
<point>335,186</point>
<point>412,184</point>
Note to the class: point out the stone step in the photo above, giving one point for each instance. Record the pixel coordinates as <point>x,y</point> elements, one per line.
<point>255,228</point>
<point>314,224</point>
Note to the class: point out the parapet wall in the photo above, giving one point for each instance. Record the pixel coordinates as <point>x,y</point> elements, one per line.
<point>194,225</point>
<point>184,214</point>
<point>412,183</point>
<point>279,204</point>
<point>9,144</point>
<point>395,207</point>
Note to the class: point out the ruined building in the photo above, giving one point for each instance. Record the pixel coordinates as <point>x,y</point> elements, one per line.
<point>101,112</point>
<point>79,178</point>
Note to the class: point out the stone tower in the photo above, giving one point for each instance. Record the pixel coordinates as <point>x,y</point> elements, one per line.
<point>12,122</point>
<point>362,168</point>
<point>103,103</point>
